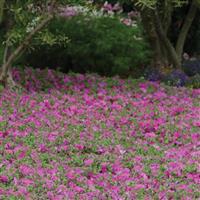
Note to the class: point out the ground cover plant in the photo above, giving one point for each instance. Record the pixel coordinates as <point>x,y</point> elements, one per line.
<point>89,137</point>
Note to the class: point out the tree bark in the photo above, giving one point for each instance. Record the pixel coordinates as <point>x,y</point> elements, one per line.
<point>2,2</point>
<point>162,48</point>
<point>166,42</point>
<point>9,57</point>
<point>165,10</point>
<point>185,28</point>
<point>165,52</point>
<point>152,37</point>
<point>4,77</point>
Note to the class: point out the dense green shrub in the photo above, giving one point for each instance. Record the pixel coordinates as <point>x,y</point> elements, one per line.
<point>103,45</point>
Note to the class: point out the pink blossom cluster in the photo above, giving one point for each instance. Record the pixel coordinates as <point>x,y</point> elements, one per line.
<point>68,11</point>
<point>131,19</point>
<point>108,7</point>
<point>106,10</point>
<point>89,137</point>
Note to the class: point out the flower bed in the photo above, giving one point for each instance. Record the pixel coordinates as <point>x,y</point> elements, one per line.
<point>89,137</point>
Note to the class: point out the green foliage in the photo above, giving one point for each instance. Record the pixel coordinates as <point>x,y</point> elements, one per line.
<point>194,81</point>
<point>25,23</point>
<point>152,3</point>
<point>103,45</point>
<point>25,15</point>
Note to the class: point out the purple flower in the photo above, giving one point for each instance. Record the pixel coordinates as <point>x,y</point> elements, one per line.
<point>3,179</point>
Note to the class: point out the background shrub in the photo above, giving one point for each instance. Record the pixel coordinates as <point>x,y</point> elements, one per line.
<point>175,78</point>
<point>194,82</point>
<point>152,74</point>
<point>191,67</point>
<point>102,45</point>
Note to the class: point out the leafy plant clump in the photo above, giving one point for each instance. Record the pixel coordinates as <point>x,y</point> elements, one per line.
<point>194,81</point>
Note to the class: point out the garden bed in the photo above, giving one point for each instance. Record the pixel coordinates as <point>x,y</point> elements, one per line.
<point>89,137</point>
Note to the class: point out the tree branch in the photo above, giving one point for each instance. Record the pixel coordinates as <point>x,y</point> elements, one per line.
<point>163,37</point>
<point>6,66</point>
<point>185,28</point>
<point>26,41</point>
<point>167,16</point>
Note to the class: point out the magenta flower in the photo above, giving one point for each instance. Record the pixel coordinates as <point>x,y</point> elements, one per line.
<point>88,162</point>
<point>68,11</point>
<point>92,137</point>
<point>4,179</point>
<point>79,146</point>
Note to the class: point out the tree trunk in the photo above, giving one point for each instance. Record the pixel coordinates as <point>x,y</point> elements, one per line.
<point>8,23</point>
<point>5,76</point>
<point>156,23</point>
<point>152,37</point>
<point>7,79</point>
<point>185,28</point>
<point>172,55</point>
<point>2,2</point>
<point>163,50</point>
